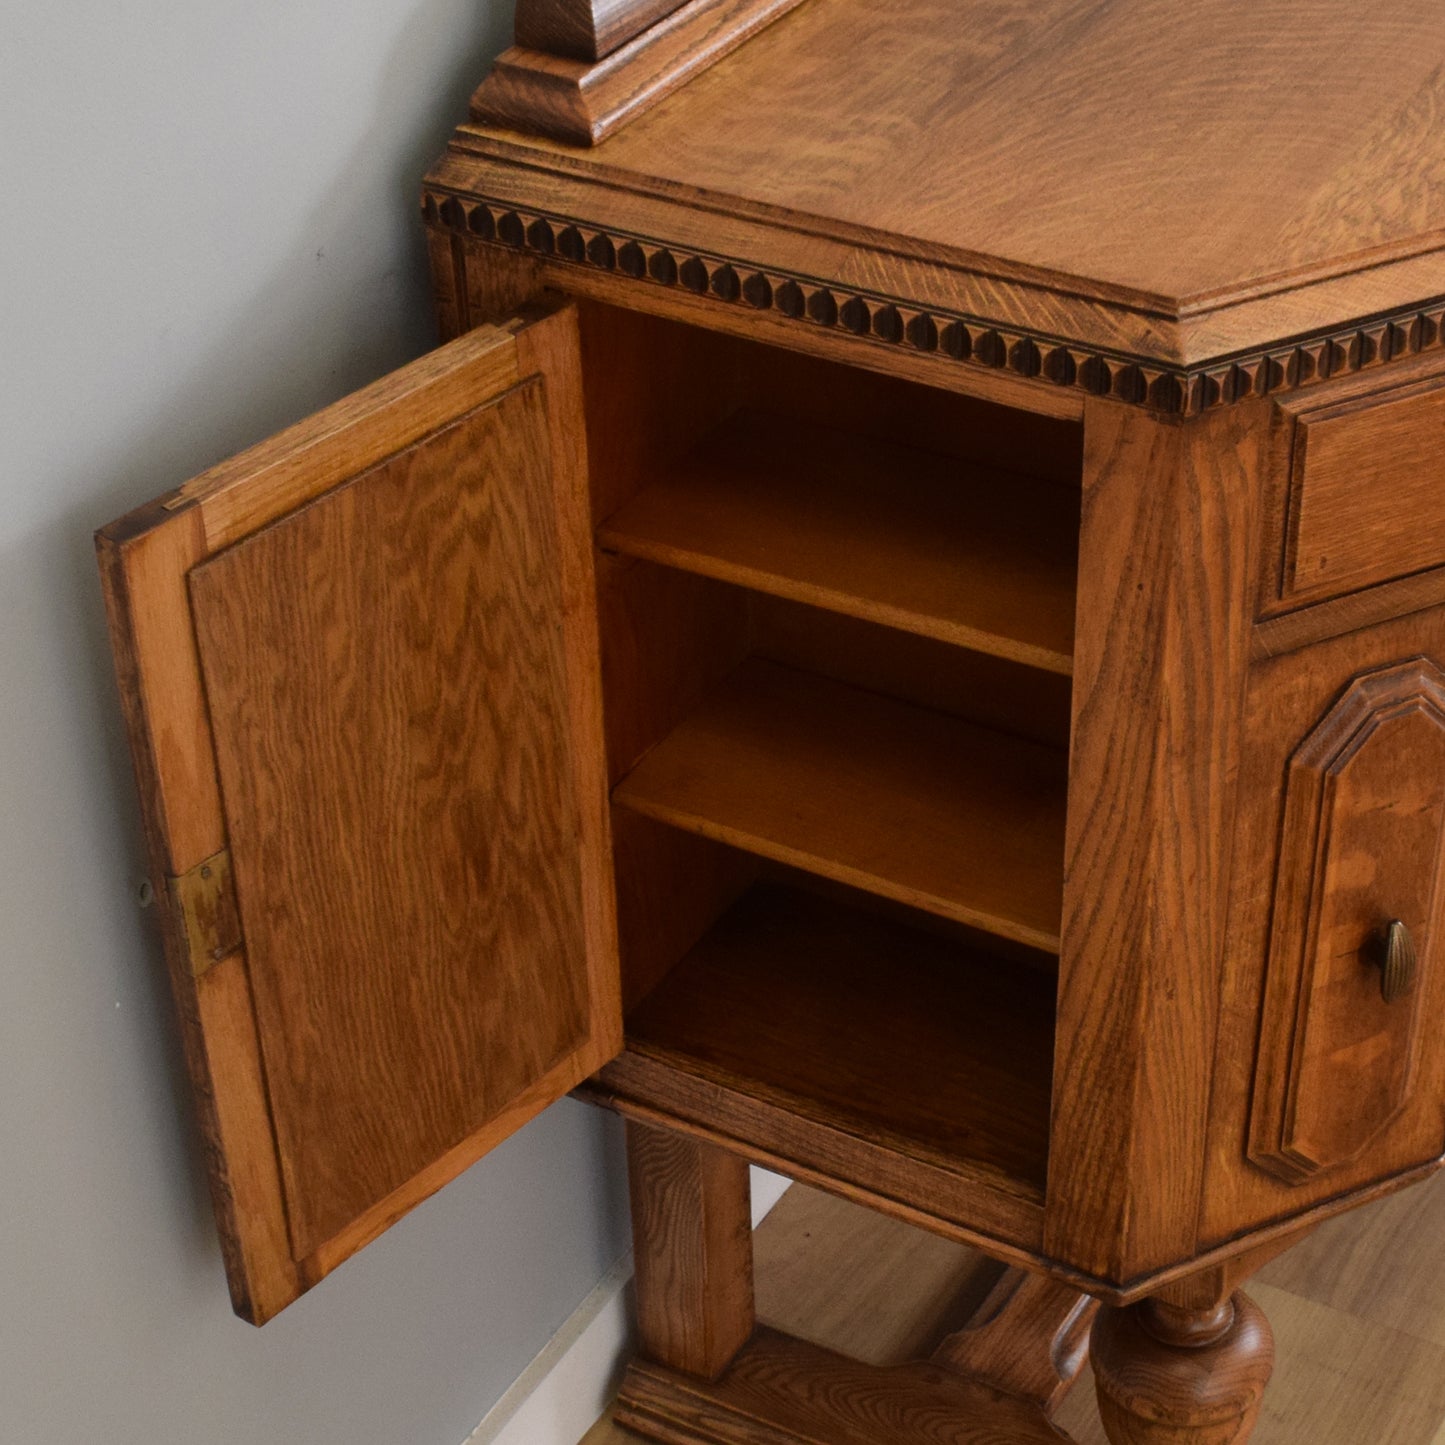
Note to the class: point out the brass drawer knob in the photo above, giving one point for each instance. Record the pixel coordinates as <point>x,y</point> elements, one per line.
<point>1393,951</point>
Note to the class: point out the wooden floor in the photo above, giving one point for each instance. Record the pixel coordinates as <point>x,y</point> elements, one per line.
<point>1358,1312</point>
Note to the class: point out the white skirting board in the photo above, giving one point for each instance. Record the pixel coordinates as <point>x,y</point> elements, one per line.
<point>559,1396</point>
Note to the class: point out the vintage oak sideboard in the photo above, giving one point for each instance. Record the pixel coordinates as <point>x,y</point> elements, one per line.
<point>902,638</point>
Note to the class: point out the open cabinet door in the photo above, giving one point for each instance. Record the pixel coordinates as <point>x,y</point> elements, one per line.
<point>359,665</point>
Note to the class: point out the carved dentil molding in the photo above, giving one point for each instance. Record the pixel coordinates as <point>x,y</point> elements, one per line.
<point>972,340</point>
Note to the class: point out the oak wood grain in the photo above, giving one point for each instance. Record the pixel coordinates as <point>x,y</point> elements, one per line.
<point>869,190</point>
<point>550,348</point>
<point>693,1250</point>
<point>1364,816</point>
<point>871,792</point>
<point>1182,1378</point>
<point>910,187</point>
<point>1365,491</point>
<point>889,534</point>
<point>887,405</point>
<point>959,1208</point>
<point>1291,631</point>
<point>865,1028</point>
<point>276,476</point>
<point>1358,1313</point>
<point>669,639</point>
<point>1287,700</point>
<point>379,985</point>
<point>583,99</point>
<point>654,389</point>
<point>613,282</point>
<point>1029,1338</point>
<point>657,387</point>
<point>268,648</point>
<point>883,1293</point>
<point>783,1391</point>
<point>585,29</point>
<point>1025,702</point>
<point>1354,184</point>
<point>1169,556</point>
<point>143,561</point>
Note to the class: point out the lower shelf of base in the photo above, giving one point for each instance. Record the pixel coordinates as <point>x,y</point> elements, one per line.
<point>783,1391</point>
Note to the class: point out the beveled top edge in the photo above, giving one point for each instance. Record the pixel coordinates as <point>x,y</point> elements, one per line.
<point>562,163</point>
<point>547,155</point>
<point>1165,355</point>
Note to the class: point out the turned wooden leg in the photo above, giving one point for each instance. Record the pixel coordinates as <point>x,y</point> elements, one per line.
<point>1172,1374</point>
<point>693,1246</point>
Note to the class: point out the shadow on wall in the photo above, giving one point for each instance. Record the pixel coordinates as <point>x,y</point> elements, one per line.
<point>296,343</point>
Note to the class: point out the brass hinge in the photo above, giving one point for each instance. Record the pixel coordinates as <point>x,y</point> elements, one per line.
<point>205,903</point>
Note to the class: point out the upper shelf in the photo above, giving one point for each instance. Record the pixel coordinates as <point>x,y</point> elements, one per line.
<point>886,533</point>
<point>1038,172</point>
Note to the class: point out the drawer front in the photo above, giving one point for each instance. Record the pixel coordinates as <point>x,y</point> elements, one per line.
<point>1354,973</point>
<point>1366,492</point>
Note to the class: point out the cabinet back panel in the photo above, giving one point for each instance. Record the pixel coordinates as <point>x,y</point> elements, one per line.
<point>890,409</point>
<point>655,388</point>
<point>993,691</point>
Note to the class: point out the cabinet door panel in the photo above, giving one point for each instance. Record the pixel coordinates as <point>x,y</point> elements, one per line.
<point>1360,847</point>
<point>360,668</point>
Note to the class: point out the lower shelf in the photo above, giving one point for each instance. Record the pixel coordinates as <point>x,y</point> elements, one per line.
<point>896,800</point>
<point>906,1065</point>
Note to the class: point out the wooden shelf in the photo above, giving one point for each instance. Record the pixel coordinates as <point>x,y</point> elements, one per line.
<point>981,558</point>
<point>842,1040</point>
<point>900,801</point>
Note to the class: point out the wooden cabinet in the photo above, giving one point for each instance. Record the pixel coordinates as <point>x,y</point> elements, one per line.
<point>949,709</point>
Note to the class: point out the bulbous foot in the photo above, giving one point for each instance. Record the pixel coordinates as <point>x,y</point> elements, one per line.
<point>1170,1376</point>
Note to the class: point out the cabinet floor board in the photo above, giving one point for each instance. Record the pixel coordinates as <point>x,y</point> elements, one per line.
<point>867,1027</point>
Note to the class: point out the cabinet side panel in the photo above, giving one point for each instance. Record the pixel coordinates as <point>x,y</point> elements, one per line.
<point>1168,560</point>
<point>387,682</point>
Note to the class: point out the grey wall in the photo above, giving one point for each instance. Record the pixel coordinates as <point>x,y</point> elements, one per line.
<point>208,230</point>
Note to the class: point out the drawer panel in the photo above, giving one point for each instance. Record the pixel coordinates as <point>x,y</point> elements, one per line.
<point>1366,498</point>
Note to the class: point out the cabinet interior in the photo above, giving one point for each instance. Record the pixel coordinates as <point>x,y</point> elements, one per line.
<point>836,614</point>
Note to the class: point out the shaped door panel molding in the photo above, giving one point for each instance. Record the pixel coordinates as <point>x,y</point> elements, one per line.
<point>1360,849</point>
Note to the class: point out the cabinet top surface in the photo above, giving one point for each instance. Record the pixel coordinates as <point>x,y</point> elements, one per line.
<point>1271,165</point>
